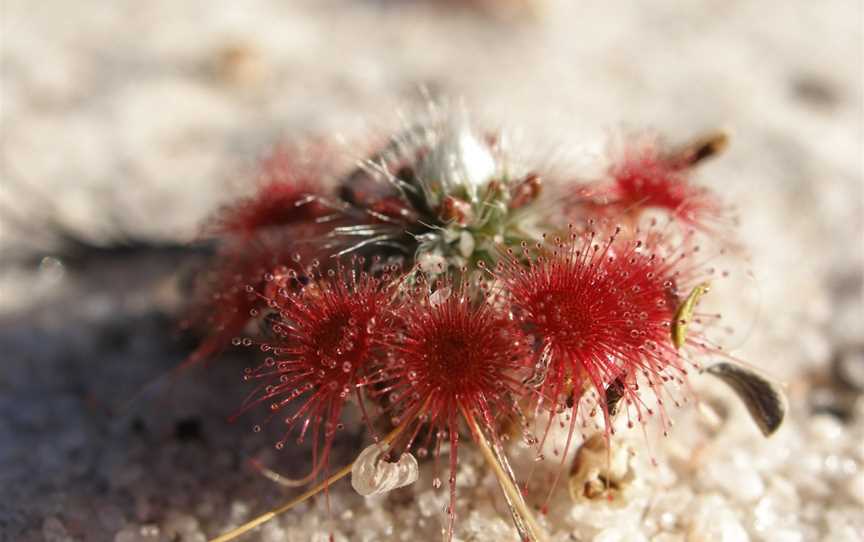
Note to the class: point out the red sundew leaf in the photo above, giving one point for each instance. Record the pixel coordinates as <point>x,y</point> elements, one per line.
<point>601,311</point>
<point>232,293</point>
<point>451,354</point>
<point>645,176</point>
<point>327,334</point>
<point>290,192</point>
<point>275,204</point>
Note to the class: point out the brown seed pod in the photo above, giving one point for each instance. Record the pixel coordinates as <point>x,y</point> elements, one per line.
<point>764,400</point>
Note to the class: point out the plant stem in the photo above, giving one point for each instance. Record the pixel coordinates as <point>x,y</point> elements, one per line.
<point>267,516</point>
<point>511,491</point>
<point>264,518</point>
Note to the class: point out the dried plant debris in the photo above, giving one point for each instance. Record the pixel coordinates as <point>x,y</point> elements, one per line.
<point>764,400</point>
<point>373,474</point>
<point>601,470</point>
<point>700,149</point>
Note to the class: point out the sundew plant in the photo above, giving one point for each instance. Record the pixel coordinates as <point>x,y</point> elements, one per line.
<point>453,295</point>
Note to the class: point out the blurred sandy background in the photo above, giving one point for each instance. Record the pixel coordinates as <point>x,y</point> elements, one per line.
<point>127,122</point>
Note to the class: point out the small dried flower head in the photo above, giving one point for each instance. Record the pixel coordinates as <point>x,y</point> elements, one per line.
<point>602,311</point>
<point>455,353</point>
<point>327,332</point>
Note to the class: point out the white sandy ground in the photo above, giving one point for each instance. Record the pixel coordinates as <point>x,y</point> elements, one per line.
<point>133,119</point>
